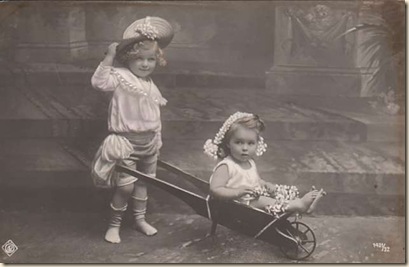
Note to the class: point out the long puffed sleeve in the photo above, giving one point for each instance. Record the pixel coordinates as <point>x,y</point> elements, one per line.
<point>103,79</point>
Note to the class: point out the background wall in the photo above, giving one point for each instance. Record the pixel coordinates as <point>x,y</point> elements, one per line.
<point>235,36</point>
<point>290,47</point>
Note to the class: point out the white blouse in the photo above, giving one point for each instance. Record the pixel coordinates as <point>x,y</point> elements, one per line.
<point>135,103</point>
<point>238,176</point>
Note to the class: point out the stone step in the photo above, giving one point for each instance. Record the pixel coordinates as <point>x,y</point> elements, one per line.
<point>314,81</point>
<point>181,130</point>
<point>336,166</point>
<point>360,179</point>
<point>381,124</point>
<point>191,113</point>
<point>184,74</point>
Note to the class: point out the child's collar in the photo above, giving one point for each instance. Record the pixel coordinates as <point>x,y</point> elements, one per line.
<point>123,77</point>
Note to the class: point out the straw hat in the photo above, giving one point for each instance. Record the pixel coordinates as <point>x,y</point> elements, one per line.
<point>149,28</point>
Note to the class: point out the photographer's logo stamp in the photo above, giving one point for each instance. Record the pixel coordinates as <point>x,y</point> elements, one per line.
<point>9,248</point>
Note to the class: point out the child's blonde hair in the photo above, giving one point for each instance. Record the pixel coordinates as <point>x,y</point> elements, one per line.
<point>133,51</point>
<point>250,122</point>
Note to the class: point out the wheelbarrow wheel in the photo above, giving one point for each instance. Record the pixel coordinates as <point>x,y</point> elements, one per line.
<point>300,243</point>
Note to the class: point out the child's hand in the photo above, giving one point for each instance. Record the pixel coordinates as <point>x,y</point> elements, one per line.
<point>241,191</point>
<point>112,50</point>
<point>270,187</point>
<point>110,55</point>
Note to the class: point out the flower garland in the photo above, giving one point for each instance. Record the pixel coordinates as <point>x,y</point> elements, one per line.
<point>147,30</point>
<point>283,194</point>
<point>131,88</point>
<point>262,191</point>
<point>212,146</point>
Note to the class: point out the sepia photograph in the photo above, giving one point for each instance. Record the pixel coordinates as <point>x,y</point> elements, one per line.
<point>203,132</point>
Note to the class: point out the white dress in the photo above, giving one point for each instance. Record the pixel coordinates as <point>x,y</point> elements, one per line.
<point>240,177</point>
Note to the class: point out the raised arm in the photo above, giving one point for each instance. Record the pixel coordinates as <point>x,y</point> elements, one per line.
<point>103,79</point>
<point>218,187</point>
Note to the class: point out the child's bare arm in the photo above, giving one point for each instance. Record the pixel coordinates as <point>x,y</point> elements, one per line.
<point>218,185</point>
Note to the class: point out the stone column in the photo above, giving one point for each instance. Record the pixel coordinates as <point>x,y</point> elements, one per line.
<point>52,32</point>
<point>309,59</point>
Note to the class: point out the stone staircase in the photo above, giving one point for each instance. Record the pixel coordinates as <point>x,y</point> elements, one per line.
<point>51,127</point>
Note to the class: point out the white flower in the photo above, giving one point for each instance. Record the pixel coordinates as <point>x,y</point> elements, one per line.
<point>147,30</point>
<point>210,148</point>
<point>283,195</point>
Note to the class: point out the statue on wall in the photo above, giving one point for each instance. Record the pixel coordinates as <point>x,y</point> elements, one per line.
<point>313,36</point>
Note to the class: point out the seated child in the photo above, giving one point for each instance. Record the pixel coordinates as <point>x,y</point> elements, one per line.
<point>235,177</point>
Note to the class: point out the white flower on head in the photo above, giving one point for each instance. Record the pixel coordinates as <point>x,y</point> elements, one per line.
<point>261,146</point>
<point>210,148</point>
<point>147,30</point>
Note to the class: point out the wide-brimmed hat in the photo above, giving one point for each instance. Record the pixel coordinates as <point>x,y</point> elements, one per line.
<point>149,28</point>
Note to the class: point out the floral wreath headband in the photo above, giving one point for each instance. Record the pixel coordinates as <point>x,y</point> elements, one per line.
<point>211,147</point>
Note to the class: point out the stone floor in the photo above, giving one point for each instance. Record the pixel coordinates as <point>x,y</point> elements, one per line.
<point>67,237</point>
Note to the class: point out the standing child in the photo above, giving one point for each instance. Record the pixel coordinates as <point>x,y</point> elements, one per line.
<point>134,118</point>
<point>235,177</point>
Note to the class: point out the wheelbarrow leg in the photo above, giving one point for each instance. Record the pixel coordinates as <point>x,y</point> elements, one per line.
<point>208,235</point>
<point>213,228</point>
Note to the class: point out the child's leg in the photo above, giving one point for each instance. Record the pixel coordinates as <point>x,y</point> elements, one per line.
<point>118,207</point>
<point>140,195</point>
<point>139,203</point>
<point>298,205</point>
<point>262,202</point>
<point>321,193</point>
<point>303,204</point>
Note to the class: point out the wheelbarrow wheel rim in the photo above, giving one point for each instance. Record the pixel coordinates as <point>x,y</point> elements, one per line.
<point>299,246</point>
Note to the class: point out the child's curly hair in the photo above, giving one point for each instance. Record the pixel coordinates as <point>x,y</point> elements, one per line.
<point>124,56</point>
<point>250,122</point>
